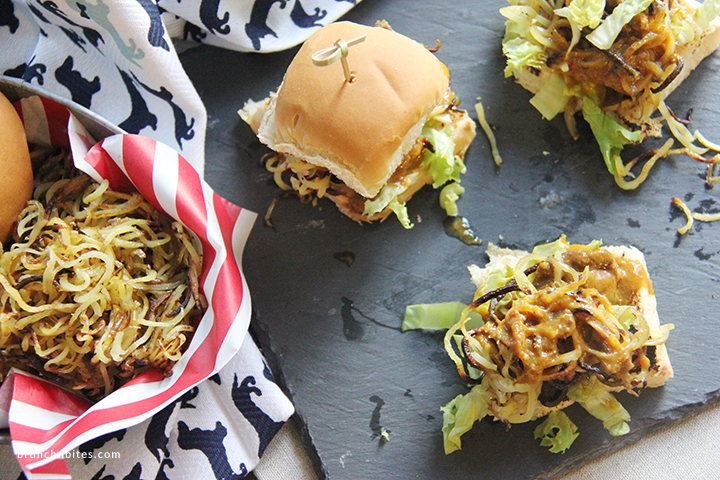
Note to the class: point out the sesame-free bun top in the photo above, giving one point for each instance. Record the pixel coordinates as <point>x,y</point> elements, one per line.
<point>360,130</point>
<point>16,176</point>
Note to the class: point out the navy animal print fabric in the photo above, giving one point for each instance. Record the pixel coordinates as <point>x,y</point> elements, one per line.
<point>117,57</point>
<point>217,430</point>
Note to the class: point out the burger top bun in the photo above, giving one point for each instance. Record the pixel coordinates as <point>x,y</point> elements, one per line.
<point>360,130</point>
<point>16,176</point>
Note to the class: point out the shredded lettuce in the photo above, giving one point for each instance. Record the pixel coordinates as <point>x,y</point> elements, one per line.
<point>520,53</point>
<point>432,316</point>
<point>449,196</point>
<point>444,164</point>
<point>436,316</point>
<point>706,13</point>
<point>610,135</point>
<point>557,432</point>
<point>601,404</point>
<point>549,249</point>
<point>401,212</point>
<point>604,36</point>
<point>519,47</point>
<point>583,13</point>
<point>387,198</point>
<point>497,278</point>
<point>460,414</point>
<point>387,194</point>
<point>551,99</point>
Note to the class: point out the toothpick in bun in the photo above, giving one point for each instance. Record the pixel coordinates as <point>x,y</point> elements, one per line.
<point>370,140</point>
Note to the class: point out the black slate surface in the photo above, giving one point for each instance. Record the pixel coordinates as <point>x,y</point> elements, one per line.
<point>334,329</point>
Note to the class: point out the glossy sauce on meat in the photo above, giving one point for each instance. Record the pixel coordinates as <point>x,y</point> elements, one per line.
<point>567,326</point>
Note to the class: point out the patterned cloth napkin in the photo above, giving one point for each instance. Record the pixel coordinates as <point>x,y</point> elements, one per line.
<point>117,58</point>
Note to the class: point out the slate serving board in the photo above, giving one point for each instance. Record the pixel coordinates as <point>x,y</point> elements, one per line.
<point>333,328</point>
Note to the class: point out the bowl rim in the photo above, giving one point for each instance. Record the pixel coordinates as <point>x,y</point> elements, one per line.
<point>99,127</point>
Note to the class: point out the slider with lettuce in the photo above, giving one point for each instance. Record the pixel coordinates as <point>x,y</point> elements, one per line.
<point>370,142</point>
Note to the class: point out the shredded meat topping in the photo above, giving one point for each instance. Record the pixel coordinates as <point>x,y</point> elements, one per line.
<point>641,61</point>
<point>566,326</point>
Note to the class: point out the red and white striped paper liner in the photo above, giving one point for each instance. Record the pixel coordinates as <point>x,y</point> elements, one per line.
<point>45,421</point>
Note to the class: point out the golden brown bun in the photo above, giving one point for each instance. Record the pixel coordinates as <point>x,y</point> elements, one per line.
<point>692,54</point>
<point>502,257</point>
<point>16,176</point>
<point>360,130</point>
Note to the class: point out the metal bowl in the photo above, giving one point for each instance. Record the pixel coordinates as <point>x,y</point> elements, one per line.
<point>16,89</point>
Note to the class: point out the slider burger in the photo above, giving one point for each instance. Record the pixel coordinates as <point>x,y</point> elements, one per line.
<point>615,61</point>
<point>559,325</point>
<point>368,140</point>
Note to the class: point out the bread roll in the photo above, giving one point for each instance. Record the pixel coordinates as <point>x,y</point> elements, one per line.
<point>360,131</point>
<point>16,176</point>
